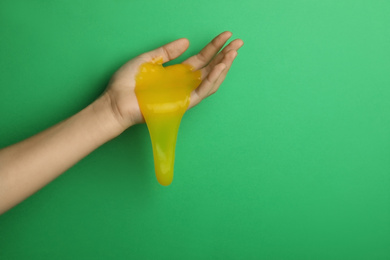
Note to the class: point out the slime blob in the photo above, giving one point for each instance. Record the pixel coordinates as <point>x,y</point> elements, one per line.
<point>163,95</point>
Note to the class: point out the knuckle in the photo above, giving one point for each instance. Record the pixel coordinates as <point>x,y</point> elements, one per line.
<point>201,57</point>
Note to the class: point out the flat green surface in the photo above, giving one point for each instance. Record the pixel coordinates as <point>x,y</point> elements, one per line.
<point>289,160</point>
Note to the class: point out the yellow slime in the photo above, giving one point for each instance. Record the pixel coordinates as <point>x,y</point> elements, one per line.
<point>163,94</point>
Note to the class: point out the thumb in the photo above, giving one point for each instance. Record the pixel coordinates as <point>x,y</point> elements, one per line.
<point>168,51</point>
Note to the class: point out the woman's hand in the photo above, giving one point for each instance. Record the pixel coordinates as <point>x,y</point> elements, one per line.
<point>213,65</point>
<point>30,164</point>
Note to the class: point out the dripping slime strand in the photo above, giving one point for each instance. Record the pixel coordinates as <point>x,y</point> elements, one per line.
<point>163,95</point>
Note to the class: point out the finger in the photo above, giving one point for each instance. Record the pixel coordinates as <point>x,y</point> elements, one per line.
<point>168,51</point>
<point>206,86</point>
<point>233,45</point>
<point>209,51</point>
<point>228,61</point>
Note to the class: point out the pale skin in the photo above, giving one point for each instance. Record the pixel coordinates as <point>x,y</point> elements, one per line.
<point>29,165</point>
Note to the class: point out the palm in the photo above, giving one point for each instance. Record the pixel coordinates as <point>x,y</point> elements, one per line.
<point>213,65</point>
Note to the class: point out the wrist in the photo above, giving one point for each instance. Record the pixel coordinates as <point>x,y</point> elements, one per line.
<point>108,119</point>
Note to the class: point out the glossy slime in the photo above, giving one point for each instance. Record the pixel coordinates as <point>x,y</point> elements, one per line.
<point>163,95</point>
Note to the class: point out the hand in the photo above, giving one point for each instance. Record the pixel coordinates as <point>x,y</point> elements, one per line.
<point>213,65</point>
<point>24,166</point>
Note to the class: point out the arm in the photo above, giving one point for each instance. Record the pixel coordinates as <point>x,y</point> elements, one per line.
<point>29,165</point>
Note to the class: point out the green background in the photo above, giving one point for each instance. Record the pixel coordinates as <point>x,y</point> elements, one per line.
<point>289,160</point>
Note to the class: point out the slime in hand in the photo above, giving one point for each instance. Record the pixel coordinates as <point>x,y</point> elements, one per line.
<point>163,94</point>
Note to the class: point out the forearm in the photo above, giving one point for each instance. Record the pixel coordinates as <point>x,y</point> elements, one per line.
<point>29,165</point>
